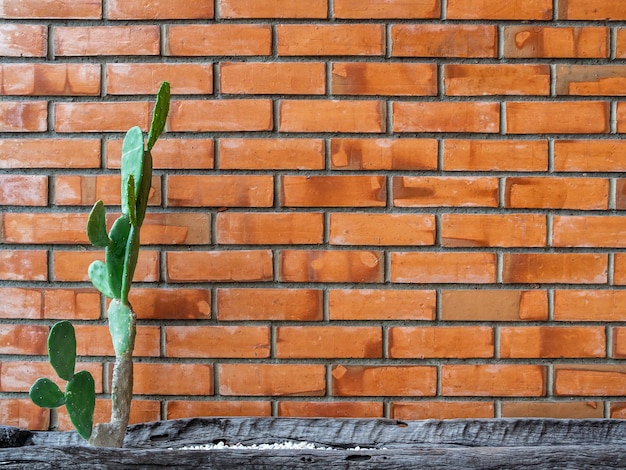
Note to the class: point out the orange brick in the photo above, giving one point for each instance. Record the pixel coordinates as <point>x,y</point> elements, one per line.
<point>273,9</point>
<point>333,191</point>
<point>178,409</point>
<point>220,191</point>
<point>186,228</point>
<point>171,304</point>
<point>383,154</point>
<point>273,228</point>
<point>23,116</point>
<point>618,410</point>
<point>271,154</point>
<point>552,342</point>
<point>23,265</point>
<point>330,39</point>
<point>377,381</point>
<point>595,231</point>
<point>221,115</point>
<point>480,79</point>
<point>96,40</point>
<point>95,340</point>
<point>409,9</point>
<point>46,228</point>
<point>619,269</point>
<point>174,153</point>
<point>182,379</point>
<point>589,117</point>
<point>77,190</point>
<point>218,40</point>
<point>590,80</point>
<point>443,40</point>
<point>217,341</point>
<point>23,190</point>
<point>495,155</point>
<point>589,155</point>
<point>446,117</point>
<point>619,342</point>
<point>23,40</point>
<point>23,339</point>
<point>493,230</point>
<point>381,304</point>
<point>561,268</point>
<point>272,379</point>
<point>100,117</point>
<point>332,116</point>
<point>23,413</point>
<point>269,304</point>
<point>590,305</point>
<point>381,229</point>
<point>51,9</point>
<point>435,267</point>
<point>620,194</point>
<point>159,10</point>
<point>141,79</point>
<point>383,78</point>
<point>18,376</point>
<point>334,409</point>
<point>599,10</point>
<point>556,193</point>
<point>494,305</point>
<point>551,409</point>
<point>70,304</point>
<point>50,79</point>
<point>331,266</point>
<point>441,342</point>
<point>216,266</point>
<point>442,410</point>
<point>556,42</point>
<point>435,191</point>
<point>301,342</point>
<point>589,380</point>
<point>620,43</point>
<point>50,153</point>
<point>499,10</point>
<point>18,303</point>
<point>141,411</point>
<point>272,78</point>
<point>621,117</point>
<point>505,380</point>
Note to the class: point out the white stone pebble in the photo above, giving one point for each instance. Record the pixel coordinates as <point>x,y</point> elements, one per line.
<point>276,445</point>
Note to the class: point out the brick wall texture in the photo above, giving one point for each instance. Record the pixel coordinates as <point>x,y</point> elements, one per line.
<point>361,208</point>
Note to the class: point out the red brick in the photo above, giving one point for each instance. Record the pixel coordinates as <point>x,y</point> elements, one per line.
<point>551,409</point>
<point>443,40</point>
<point>381,304</point>
<point>621,117</point>
<point>618,410</point>
<point>332,116</point>
<point>481,117</point>
<point>590,155</point>
<point>499,10</point>
<point>442,410</point>
<point>220,191</point>
<point>50,153</point>
<point>23,40</point>
<point>500,79</point>
<point>494,305</point>
<point>281,304</point>
<point>174,153</point>
<point>23,265</point>
<point>456,342</point>
<point>588,117</point>
<point>273,228</point>
<point>218,40</point>
<point>23,413</point>
<point>216,266</point>
<point>368,9</point>
<point>330,39</point>
<point>495,155</point>
<point>23,116</point>
<point>589,380</point>
<point>552,342</point>
<point>271,154</point>
<point>590,80</point>
<point>272,379</point>
<point>505,380</point>
<point>221,115</point>
<point>50,79</point>
<point>18,376</point>
<point>590,305</point>
<point>71,304</point>
<point>273,78</point>
<point>619,269</point>
<point>273,9</point>
<point>491,230</point>
<point>223,341</point>
<point>23,190</point>
<point>381,229</point>
<point>594,231</point>
<point>560,268</point>
<point>23,339</point>
<point>383,154</point>
<point>142,79</point>
<point>619,343</point>
<point>96,40</point>
<point>435,267</point>
<point>95,340</point>
<point>40,228</point>
<point>159,10</point>
<point>18,303</point>
<point>377,381</point>
<point>178,409</point>
<point>75,190</point>
<point>100,117</point>
<point>556,42</point>
<point>333,409</point>
<point>51,9</point>
<point>141,411</point>
<point>383,78</point>
<point>331,266</point>
<point>184,228</point>
<point>556,193</point>
<point>620,43</point>
<point>333,191</point>
<point>171,304</point>
<point>301,342</point>
<point>436,191</point>
<point>598,10</point>
<point>182,379</point>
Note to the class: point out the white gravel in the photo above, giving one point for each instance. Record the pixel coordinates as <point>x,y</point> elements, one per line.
<point>276,445</point>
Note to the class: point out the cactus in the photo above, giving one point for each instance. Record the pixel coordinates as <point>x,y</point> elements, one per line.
<point>113,279</point>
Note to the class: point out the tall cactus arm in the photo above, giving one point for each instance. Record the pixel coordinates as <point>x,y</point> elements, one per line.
<point>159,115</point>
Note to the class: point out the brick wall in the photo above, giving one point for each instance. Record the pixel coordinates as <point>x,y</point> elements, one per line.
<point>401,208</point>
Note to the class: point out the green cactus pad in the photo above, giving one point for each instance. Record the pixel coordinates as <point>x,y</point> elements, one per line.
<point>143,193</point>
<point>100,278</point>
<point>62,349</point>
<point>159,115</point>
<point>116,254</point>
<point>46,393</point>
<point>96,226</point>
<point>132,254</point>
<point>132,200</point>
<point>132,163</point>
<point>121,327</point>
<point>80,401</point>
